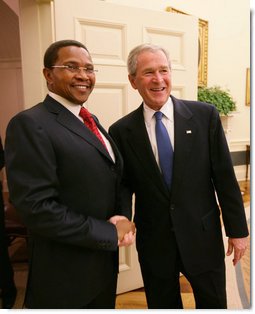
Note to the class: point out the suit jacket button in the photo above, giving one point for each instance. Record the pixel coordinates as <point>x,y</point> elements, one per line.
<point>172,207</point>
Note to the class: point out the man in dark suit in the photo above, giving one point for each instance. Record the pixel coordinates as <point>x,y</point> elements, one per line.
<point>64,181</point>
<point>7,284</point>
<point>178,223</point>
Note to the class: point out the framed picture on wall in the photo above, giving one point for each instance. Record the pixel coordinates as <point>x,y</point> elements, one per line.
<point>202,52</point>
<point>202,47</point>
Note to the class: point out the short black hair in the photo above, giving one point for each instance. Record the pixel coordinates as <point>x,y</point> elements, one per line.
<point>51,53</point>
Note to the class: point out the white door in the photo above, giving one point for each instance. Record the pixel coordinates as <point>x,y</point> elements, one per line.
<point>110,31</point>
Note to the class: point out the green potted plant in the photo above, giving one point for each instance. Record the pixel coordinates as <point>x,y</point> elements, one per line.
<point>218,97</point>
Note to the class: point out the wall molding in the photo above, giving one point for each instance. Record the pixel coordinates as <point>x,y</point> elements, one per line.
<point>239,145</point>
<point>10,64</point>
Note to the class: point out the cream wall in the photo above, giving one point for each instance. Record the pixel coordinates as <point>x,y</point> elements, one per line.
<point>228,51</point>
<point>228,55</point>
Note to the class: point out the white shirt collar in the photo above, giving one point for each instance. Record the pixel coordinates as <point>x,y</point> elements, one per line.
<point>74,108</point>
<point>167,109</point>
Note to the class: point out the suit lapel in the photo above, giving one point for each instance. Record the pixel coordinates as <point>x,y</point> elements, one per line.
<point>184,134</point>
<point>139,142</point>
<point>69,121</point>
<point>118,157</point>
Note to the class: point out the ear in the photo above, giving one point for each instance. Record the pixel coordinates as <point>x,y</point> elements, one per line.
<point>48,75</point>
<point>132,81</point>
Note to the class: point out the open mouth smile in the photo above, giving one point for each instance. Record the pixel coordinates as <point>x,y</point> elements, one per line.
<point>81,87</point>
<point>158,89</point>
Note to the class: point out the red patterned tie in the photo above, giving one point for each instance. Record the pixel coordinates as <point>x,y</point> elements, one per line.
<point>90,123</point>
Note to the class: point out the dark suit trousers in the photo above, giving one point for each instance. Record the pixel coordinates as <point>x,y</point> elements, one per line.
<point>164,293</point>
<point>6,271</point>
<point>106,298</point>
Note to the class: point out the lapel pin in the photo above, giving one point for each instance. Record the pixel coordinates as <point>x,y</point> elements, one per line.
<point>188,132</point>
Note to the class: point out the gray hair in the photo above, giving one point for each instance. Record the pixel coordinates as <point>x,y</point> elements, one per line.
<point>135,52</point>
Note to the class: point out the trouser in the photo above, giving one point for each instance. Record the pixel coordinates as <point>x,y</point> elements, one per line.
<point>106,298</point>
<point>6,270</point>
<point>209,288</point>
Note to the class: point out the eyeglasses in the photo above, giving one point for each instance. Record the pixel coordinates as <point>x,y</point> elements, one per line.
<point>75,69</point>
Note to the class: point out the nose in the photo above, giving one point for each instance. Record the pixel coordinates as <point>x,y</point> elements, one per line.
<point>157,76</point>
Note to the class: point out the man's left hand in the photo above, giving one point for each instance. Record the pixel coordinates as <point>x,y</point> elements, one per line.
<point>239,246</point>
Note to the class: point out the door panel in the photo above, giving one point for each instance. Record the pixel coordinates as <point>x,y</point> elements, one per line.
<point>110,31</point>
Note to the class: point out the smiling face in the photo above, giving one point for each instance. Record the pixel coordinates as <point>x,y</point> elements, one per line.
<point>75,87</point>
<point>152,78</point>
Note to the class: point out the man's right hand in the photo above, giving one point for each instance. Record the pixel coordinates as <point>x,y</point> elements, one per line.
<point>125,230</point>
<point>124,226</point>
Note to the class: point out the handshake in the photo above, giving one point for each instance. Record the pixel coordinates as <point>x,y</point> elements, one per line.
<point>125,230</point>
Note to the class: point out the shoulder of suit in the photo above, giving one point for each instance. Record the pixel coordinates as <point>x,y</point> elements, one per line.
<point>30,111</point>
<point>37,113</point>
<point>196,106</point>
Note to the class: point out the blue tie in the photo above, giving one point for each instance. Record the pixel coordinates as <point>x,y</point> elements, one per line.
<point>165,150</point>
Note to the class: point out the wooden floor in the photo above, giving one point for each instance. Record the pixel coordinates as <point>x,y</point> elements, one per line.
<point>136,299</point>
<point>133,299</point>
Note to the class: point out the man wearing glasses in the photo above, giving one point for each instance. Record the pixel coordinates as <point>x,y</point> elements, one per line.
<point>63,173</point>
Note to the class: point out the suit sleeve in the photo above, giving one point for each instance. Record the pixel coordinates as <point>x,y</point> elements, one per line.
<point>33,183</point>
<point>225,182</point>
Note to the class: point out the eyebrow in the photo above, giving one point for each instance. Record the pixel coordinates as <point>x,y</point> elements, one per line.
<point>163,67</point>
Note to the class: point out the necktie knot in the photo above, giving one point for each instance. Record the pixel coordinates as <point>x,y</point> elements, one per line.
<point>85,114</point>
<point>91,124</point>
<point>158,115</point>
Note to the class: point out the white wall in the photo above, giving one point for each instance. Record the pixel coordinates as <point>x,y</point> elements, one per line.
<point>228,51</point>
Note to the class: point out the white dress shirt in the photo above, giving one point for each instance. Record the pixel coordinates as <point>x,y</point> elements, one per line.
<point>150,122</point>
<point>75,109</point>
